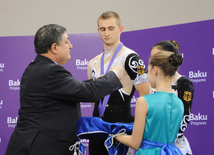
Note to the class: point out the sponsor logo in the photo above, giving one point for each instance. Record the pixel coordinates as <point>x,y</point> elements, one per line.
<point>134,99</point>
<point>197,76</point>
<point>198,119</point>
<point>14,85</point>
<point>1,103</point>
<point>81,64</point>
<point>85,142</point>
<point>11,122</point>
<point>85,105</point>
<point>133,102</point>
<point>133,105</point>
<point>1,67</point>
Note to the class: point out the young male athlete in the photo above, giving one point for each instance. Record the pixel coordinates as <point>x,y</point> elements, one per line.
<point>116,106</point>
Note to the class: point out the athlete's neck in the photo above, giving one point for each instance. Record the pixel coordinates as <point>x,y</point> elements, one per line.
<point>109,48</point>
<point>164,83</point>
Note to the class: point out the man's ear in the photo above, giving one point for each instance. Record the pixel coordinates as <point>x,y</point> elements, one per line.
<point>121,29</point>
<point>54,48</point>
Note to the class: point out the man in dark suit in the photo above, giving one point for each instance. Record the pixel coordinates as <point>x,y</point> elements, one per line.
<point>50,96</point>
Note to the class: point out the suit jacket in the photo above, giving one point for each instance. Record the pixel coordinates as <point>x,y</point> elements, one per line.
<point>49,98</point>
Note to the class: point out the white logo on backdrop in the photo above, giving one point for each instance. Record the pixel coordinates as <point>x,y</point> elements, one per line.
<point>85,105</point>
<point>1,103</point>
<point>197,76</point>
<point>85,142</point>
<point>198,119</point>
<point>81,64</point>
<point>133,100</point>
<point>12,122</point>
<point>14,85</point>
<point>1,67</point>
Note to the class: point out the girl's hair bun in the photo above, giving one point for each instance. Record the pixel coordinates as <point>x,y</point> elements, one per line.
<point>175,59</point>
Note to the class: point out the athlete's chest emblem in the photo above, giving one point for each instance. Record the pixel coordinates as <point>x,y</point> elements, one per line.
<point>140,70</point>
<point>187,96</point>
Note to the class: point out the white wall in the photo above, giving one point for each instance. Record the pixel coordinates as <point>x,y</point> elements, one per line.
<point>25,17</point>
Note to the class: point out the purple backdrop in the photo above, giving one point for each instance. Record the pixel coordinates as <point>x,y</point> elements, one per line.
<point>196,46</point>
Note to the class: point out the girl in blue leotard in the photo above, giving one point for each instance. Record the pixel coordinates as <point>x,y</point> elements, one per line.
<point>157,116</point>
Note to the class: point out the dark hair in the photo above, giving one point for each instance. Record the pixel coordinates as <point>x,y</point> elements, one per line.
<point>168,45</point>
<point>46,36</point>
<point>167,61</point>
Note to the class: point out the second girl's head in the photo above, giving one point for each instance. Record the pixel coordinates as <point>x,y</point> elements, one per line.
<point>166,45</point>
<point>163,63</point>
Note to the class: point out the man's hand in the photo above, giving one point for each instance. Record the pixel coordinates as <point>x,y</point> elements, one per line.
<point>118,70</point>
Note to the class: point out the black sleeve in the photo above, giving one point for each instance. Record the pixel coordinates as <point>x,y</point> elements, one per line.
<point>134,66</point>
<point>185,91</point>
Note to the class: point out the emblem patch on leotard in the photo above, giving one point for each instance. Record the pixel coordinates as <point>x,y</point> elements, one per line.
<point>187,96</point>
<point>140,70</point>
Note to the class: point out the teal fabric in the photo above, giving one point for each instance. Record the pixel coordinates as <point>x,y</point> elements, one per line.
<point>165,112</point>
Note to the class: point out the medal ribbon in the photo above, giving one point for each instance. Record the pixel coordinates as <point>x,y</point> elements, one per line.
<point>102,106</point>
